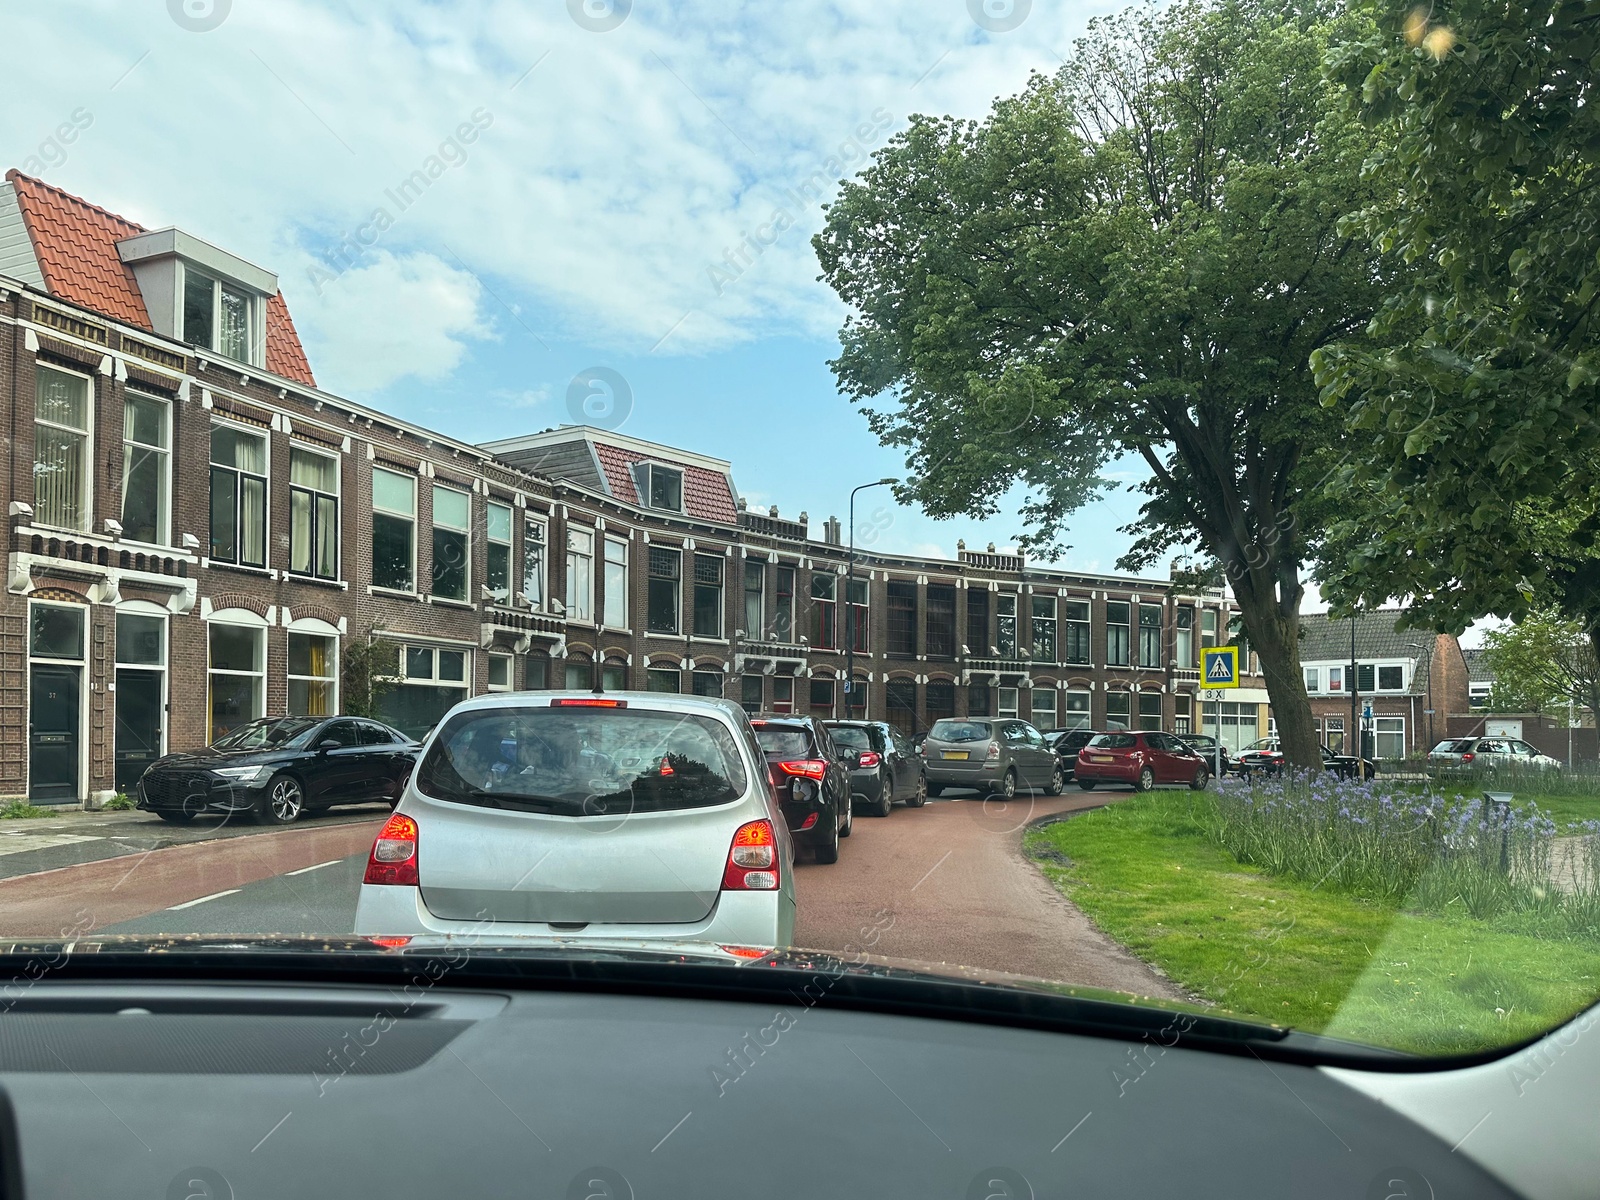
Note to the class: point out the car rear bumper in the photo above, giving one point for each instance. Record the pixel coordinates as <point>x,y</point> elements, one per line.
<point>866,785</point>
<point>972,773</point>
<point>738,918</point>
<point>1111,772</point>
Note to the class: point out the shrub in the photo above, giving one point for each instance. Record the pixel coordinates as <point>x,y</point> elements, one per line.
<point>19,810</point>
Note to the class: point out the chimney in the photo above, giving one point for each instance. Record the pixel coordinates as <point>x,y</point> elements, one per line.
<point>743,504</point>
<point>772,510</point>
<point>832,532</point>
<point>991,547</point>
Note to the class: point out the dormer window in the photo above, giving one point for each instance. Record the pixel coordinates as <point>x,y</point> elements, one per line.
<point>218,316</point>
<point>665,487</point>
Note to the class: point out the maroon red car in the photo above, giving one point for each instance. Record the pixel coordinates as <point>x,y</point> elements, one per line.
<point>1141,758</point>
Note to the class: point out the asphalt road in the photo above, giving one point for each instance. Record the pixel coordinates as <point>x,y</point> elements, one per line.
<point>946,883</point>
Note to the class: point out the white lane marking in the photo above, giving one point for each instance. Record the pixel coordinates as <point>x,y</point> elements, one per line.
<point>203,899</point>
<point>318,867</point>
<point>17,843</point>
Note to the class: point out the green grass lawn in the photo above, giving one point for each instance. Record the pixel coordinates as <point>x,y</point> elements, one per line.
<point>1294,954</point>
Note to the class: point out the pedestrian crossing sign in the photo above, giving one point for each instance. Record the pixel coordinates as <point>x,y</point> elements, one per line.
<point>1219,667</point>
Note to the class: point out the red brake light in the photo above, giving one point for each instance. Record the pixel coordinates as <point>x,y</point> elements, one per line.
<point>758,724</point>
<point>587,702</point>
<point>752,859</point>
<point>747,951</point>
<point>811,768</point>
<point>390,943</point>
<point>870,758</point>
<point>394,853</point>
<point>1467,757</point>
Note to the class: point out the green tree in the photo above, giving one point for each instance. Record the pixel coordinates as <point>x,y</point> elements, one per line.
<point>367,673</point>
<point>1477,383</point>
<point>1135,256</point>
<point>1543,662</point>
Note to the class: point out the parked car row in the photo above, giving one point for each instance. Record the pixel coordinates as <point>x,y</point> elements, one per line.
<point>1265,757</point>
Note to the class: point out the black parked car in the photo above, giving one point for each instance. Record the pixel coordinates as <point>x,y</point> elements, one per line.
<point>1066,743</point>
<point>811,775</point>
<point>1205,745</point>
<point>890,769</point>
<point>277,768</point>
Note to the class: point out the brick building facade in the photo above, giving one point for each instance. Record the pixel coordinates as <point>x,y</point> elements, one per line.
<point>197,531</point>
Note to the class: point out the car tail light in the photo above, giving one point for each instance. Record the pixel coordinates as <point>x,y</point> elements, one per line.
<point>391,943</point>
<point>752,859</point>
<point>1467,757</point>
<point>809,822</point>
<point>747,951</point>
<point>587,702</point>
<point>394,853</point>
<point>870,758</point>
<point>811,768</point>
<point>993,751</point>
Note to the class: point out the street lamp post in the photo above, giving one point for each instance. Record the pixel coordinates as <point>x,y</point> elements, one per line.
<point>1419,647</point>
<point>849,609</point>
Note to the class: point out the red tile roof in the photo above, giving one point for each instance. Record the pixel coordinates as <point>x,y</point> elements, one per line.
<point>75,243</point>
<point>706,493</point>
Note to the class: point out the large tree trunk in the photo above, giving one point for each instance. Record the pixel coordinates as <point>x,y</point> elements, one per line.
<point>1274,629</point>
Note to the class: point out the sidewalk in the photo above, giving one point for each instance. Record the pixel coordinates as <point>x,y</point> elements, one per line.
<point>74,836</point>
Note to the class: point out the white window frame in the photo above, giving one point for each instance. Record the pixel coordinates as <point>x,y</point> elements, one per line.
<point>616,584</point>
<point>164,517</point>
<point>82,663</point>
<point>145,608</point>
<point>464,529</point>
<point>1385,726</point>
<point>502,595</point>
<point>237,619</point>
<point>1337,673</point>
<point>510,667</point>
<point>255,318</point>
<point>1076,718</point>
<point>86,484</point>
<point>411,516</point>
<point>1006,703</point>
<point>313,627</point>
<point>1378,669</point>
<point>537,572</point>
<point>238,496</point>
<point>579,597</point>
<point>337,496</point>
<point>1055,707</point>
<point>650,468</point>
<point>434,679</point>
<point>1313,678</point>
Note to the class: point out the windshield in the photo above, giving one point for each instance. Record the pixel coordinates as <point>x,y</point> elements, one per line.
<point>268,735</point>
<point>582,761</point>
<point>771,383</point>
<point>959,731</point>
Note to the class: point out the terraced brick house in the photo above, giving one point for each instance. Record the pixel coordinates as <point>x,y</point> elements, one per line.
<point>198,532</point>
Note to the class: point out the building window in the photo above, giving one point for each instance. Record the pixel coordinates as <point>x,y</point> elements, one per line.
<point>146,468</point>
<point>978,622</point>
<point>822,698</point>
<point>1313,679</point>
<point>755,582</point>
<point>1182,713</point>
<point>1077,711</point>
<point>1389,737</point>
<point>855,698</point>
<point>1208,627</point>
<point>579,675</point>
<point>614,677</point>
<point>533,562</point>
<point>705,683</point>
<point>941,641</point>
<point>783,614</point>
<point>823,591</point>
<point>616,583</point>
<point>665,487</point>
<point>1005,624</point>
<point>452,544</point>
<point>663,679</point>
<point>1044,628</point>
<point>1239,723</point>
<point>750,691</point>
<point>1149,710</point>
<point>900,704</point>
<point>979,697</point>
<point>1185,639</point>
<point>56,631</point>
<point>1117,710</point>
<point>1391,679</point>
<point>1334,727</point>
<point>1077,615</point>
<point>1149,635</point>
<point>902,619</point>
<point>783,694</point>
<point>238,496</point>
<point>1008,702</point>
<point>313,514</point>
<point>313,675</point>
<point>1044,708</point>
<point>1365,678</point>
<point>536,667</point>
<point>237,675</point>
<point>499,672</point>
<point>394,530</point>
<point>580,574</point>
<point>430,682</point>
<point>708,596</point>
<point>855,615</point>
<point>940,697</point>
<point>497,533</point>
<point>1336,679</point>
<point>663,590</point>
<point>218,316</point>
<point>1117,633</point>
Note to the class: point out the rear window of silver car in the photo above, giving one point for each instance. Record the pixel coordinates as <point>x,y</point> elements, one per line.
<point>1454,746</point>
<point>959,731</point>
<point>1113,741</point>
<point>583,761</point>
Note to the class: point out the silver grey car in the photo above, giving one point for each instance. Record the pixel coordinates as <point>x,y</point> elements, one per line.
<point>633,816</point>
<point>996,755</point>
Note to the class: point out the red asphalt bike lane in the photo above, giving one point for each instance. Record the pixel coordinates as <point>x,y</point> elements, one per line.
<point>77,900</point>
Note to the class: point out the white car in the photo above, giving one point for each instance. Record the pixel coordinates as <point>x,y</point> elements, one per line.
<point>1478,753</point>
<point>632,816</point>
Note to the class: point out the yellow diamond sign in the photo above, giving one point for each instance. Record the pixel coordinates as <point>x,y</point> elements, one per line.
<point>1219,667</point>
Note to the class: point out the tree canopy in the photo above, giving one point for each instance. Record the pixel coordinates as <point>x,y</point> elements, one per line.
<point>1137,255</point>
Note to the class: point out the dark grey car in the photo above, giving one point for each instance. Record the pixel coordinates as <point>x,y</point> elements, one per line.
<point>993,754</point>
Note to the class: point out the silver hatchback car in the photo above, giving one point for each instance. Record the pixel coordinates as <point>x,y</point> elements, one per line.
<point>993,754</point>
<point>633,816</point>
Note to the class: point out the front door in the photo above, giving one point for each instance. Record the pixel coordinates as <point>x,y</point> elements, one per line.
<point>54,720</point>
<point>139,722</point>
